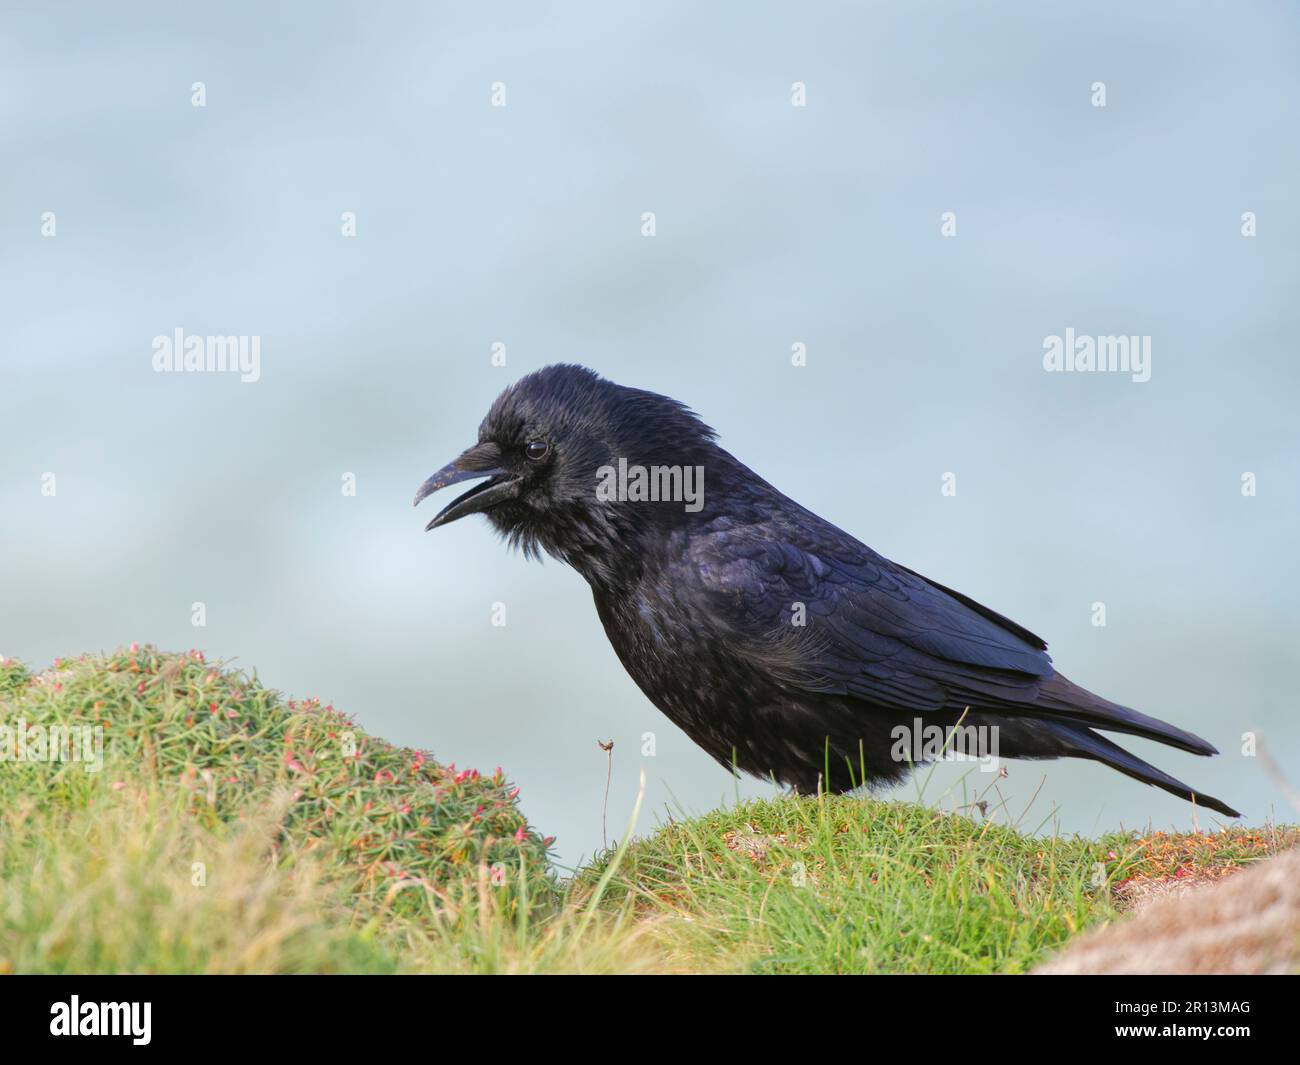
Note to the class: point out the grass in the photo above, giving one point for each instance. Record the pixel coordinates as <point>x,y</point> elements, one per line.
<point>229,829</point>
<point>842,884</point>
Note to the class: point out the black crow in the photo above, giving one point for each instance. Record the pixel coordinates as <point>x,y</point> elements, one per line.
<point>779,643</point>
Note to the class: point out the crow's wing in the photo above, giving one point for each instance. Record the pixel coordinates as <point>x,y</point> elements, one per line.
<point>871,628</point>
<point>877,631</point>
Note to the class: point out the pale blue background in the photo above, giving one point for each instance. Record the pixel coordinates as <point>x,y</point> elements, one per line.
<point>775,225</point>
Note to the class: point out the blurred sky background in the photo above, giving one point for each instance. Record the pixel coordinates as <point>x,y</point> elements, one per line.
<point>775,225</point>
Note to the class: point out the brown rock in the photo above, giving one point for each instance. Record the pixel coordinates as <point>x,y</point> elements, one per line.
<point>1248,923</point>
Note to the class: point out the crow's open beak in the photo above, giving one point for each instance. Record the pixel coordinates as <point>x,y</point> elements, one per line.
<point>482,460</point>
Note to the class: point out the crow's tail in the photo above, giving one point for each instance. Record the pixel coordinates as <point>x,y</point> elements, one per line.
<point>1087,744</point>
<point>1066,701</point>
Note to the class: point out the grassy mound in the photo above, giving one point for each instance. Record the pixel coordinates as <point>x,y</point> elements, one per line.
<point>842,884</point>
<point>221,827</point>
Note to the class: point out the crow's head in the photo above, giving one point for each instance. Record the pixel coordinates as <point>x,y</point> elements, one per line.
<point>547,448</point>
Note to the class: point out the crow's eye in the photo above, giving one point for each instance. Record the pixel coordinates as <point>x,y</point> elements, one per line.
<point>536,450</point>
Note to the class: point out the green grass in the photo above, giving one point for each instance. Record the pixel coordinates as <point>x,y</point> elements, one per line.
<point>228,829</point>
<point>232,830</point>
<point>843,884</point>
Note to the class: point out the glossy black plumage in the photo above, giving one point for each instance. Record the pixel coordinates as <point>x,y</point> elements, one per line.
<point>703,606</point>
